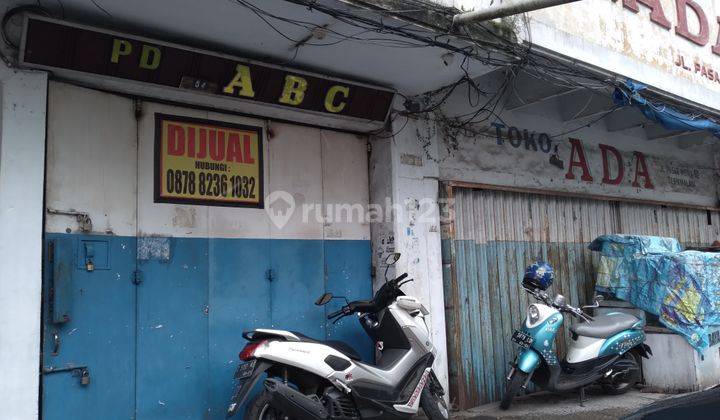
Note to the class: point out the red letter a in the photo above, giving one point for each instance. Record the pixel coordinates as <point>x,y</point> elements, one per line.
<point>641,170</point>
<point>581,162</point>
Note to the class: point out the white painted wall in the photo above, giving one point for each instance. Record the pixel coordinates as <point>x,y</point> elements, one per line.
<point>605,34</point>
<point>412,189</point>
<point>22,158</point>
<point>95,163</point>
<point>91,159</point>
<point>690,370</point>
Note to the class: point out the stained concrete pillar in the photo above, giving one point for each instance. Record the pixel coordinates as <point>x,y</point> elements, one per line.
<point>22,168</point>
<point>404,182</point>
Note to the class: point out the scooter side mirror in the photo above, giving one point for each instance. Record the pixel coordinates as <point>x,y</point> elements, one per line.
<point>390,261</point>
<point>324,299</point>
<point>392,258</point>
<point>596,302</point>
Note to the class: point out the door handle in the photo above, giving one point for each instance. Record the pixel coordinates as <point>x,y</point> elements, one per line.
<point>56,343</point>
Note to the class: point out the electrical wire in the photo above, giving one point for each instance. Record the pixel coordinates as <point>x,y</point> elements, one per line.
<point>484,46</point>
<point>542,70</point>
<point>97,5</point>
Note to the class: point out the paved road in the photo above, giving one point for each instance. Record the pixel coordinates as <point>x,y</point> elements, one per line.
<point>565,407</point>
<point>696,406</point>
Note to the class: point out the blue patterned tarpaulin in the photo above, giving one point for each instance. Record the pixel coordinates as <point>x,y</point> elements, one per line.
<point>656,275</point>
<point>670,118</point>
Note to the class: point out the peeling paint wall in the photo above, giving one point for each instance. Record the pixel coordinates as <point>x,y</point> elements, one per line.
<point>22,156</point>
<point>402,175</point>
<point>649,170</point>
<point>605,34</point>
<point>543,147</point>
<point>631,45</point>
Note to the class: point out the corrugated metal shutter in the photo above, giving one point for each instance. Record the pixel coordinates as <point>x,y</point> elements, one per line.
<point>496,235</point>
<point>692,227</point>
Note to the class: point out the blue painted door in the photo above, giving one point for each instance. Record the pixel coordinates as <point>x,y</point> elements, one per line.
<point>89,310</point>
<point>151,329</point>
<point>210,273</point>
<point>89,327</point>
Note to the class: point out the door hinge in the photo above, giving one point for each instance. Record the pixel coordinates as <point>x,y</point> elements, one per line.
<point>139,111</point>
<point>51,252</point>
<point>137,277</point>
<point>369,147</point>
<point>270,275</point>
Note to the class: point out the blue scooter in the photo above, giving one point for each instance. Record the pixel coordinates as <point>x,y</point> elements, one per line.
<point>605,349</point>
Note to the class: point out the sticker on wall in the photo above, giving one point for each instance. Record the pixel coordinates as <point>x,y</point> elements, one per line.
<point>207,162</point>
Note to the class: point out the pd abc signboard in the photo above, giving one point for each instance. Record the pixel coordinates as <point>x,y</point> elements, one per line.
<point>207,162</point>
<point>78,51</point>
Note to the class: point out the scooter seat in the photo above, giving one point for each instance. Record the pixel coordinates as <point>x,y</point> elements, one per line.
<point>337,345</point>
<point>604,326</point>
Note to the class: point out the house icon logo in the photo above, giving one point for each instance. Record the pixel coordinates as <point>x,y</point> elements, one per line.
<point>280,206</point>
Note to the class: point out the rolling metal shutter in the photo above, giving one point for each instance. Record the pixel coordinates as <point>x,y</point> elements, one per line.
<point>495,235</point>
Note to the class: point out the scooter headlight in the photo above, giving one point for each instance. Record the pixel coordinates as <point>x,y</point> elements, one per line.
<point>534,314</point>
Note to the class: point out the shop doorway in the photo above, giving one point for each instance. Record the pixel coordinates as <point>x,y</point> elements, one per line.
<point>145,302</point>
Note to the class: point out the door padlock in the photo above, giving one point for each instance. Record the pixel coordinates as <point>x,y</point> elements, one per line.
<point>81,372</point>
<point>89,255</point>
<point>85,377</point>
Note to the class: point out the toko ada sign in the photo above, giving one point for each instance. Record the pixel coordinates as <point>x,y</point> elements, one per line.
<point>56,45</point>
<point>207,162</point>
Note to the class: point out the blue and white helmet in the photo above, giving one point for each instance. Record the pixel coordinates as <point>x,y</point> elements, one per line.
<point>539,275</point>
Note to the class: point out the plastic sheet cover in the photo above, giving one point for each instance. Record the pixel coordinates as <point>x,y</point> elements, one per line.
<point>669,117</point>
<point>654,274</point>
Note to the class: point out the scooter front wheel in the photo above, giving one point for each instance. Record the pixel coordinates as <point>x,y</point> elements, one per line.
<point>513,388</point>
<point>433,405</point>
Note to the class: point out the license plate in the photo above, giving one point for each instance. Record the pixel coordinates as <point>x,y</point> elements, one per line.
<point>522,339</point>
<point>245,370</point>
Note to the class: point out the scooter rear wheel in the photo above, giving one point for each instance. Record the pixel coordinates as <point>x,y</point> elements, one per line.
<point>623,384</point>
<point>512,388</point>
<point>260,408</point>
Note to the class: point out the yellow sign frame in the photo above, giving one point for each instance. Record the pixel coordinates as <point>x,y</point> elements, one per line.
<point>207,162</point>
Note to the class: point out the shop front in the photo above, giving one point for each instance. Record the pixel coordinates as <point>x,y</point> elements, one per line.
<point>172,228</point>
<point>550,169</point>
<point>541,183</point>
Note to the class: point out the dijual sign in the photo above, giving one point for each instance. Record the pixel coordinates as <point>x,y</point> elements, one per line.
<point>57,45</point>
<point>207,162</point>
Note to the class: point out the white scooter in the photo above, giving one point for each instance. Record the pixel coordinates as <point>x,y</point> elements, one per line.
<point>316,380</point>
